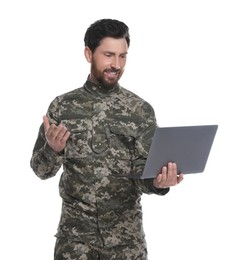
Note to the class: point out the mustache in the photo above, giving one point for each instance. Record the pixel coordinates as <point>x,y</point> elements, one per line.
<point>114,70</point>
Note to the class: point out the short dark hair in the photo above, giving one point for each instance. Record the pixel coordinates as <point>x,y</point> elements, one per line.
<point>105,28</point>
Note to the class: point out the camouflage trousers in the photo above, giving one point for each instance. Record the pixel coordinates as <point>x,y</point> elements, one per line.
<point>71,250</point>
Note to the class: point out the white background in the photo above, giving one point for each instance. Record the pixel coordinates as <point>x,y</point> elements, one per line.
<point>187,58</point>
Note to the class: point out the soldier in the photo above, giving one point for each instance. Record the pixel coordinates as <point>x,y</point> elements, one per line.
<point>100,133</point>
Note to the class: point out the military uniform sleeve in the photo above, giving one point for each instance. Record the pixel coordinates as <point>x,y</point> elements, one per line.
<point>142,145</point>
<point>146,186</point>
<point>44,161</point>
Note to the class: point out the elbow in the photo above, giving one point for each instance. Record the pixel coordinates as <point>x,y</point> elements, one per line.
<point>41,172</point>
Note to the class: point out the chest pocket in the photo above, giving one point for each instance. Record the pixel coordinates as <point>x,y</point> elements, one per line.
<point>78,143</point>
<point>122,141</point>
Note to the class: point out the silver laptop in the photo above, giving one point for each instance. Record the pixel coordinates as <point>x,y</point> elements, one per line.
<point>187,146</point>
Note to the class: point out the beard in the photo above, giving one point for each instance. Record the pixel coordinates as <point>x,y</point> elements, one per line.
<point>101,76</point>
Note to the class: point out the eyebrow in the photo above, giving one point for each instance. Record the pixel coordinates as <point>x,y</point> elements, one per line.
<point>113,53</point>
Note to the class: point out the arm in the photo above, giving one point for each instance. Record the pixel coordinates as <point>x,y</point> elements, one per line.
<point>167,177</point>
<point>47,156</point>
<point>164,180</point>
<point>45,162</point>
<point>142,145</point>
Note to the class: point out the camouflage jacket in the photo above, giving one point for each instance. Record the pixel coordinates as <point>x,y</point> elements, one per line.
<point>111,132</point>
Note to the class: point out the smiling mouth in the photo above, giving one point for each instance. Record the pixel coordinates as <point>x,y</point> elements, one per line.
<point>112,74</point>
<point>112,70</point>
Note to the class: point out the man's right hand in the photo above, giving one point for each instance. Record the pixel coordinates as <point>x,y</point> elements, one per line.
<point>56,136</point>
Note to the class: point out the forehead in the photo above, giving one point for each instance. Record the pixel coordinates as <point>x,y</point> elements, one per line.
<point>113,45</point>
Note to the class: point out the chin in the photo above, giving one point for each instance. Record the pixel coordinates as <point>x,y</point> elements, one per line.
<point>110,84</point>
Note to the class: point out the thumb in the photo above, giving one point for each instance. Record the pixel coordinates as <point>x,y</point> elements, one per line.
<point>46,123</point>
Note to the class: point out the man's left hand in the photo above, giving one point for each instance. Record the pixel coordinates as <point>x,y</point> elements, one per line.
<point>168,177</point>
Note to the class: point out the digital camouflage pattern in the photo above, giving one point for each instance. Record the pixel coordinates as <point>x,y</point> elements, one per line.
<point>74,250</point>
<point>111,132</point>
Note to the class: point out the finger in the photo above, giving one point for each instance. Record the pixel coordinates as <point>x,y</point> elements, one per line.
<point>180,177</point>
<point>62,133</point>
<point>52,131</point>
<point>170,169</point>
<point>174,172</point>
<point>174,168</point>
<point>158,178</point>
<point>164,174</point>
<point>164,170</point>
<point>46,123</point>
<point>65,137</point>
<point>169,173</point>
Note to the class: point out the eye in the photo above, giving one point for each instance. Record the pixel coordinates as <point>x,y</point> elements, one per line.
<point>108,54</point>
<point>123,56</point>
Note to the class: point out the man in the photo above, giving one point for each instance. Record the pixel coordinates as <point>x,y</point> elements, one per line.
<point>100,133</point>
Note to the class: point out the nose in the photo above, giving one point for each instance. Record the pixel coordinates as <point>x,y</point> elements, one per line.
<point>116,63</point>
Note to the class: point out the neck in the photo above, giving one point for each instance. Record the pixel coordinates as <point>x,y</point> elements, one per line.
<point>95,87</point>
<point>92,79</point>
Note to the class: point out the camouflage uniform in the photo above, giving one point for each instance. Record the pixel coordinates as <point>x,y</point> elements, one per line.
<point>111,132</point>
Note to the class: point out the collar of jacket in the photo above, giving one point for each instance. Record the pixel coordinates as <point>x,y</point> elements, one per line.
<point>100,90</point>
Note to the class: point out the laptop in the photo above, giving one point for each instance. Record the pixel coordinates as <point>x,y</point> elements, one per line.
<point>187,146</point>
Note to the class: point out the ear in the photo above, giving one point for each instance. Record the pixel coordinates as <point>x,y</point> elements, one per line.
<point>88,54</point>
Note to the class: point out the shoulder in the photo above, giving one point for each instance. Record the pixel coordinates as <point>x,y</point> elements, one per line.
<point>67,97</point>
<point>135,101</point>
<point>71,94</point>
<point>64,103</point>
